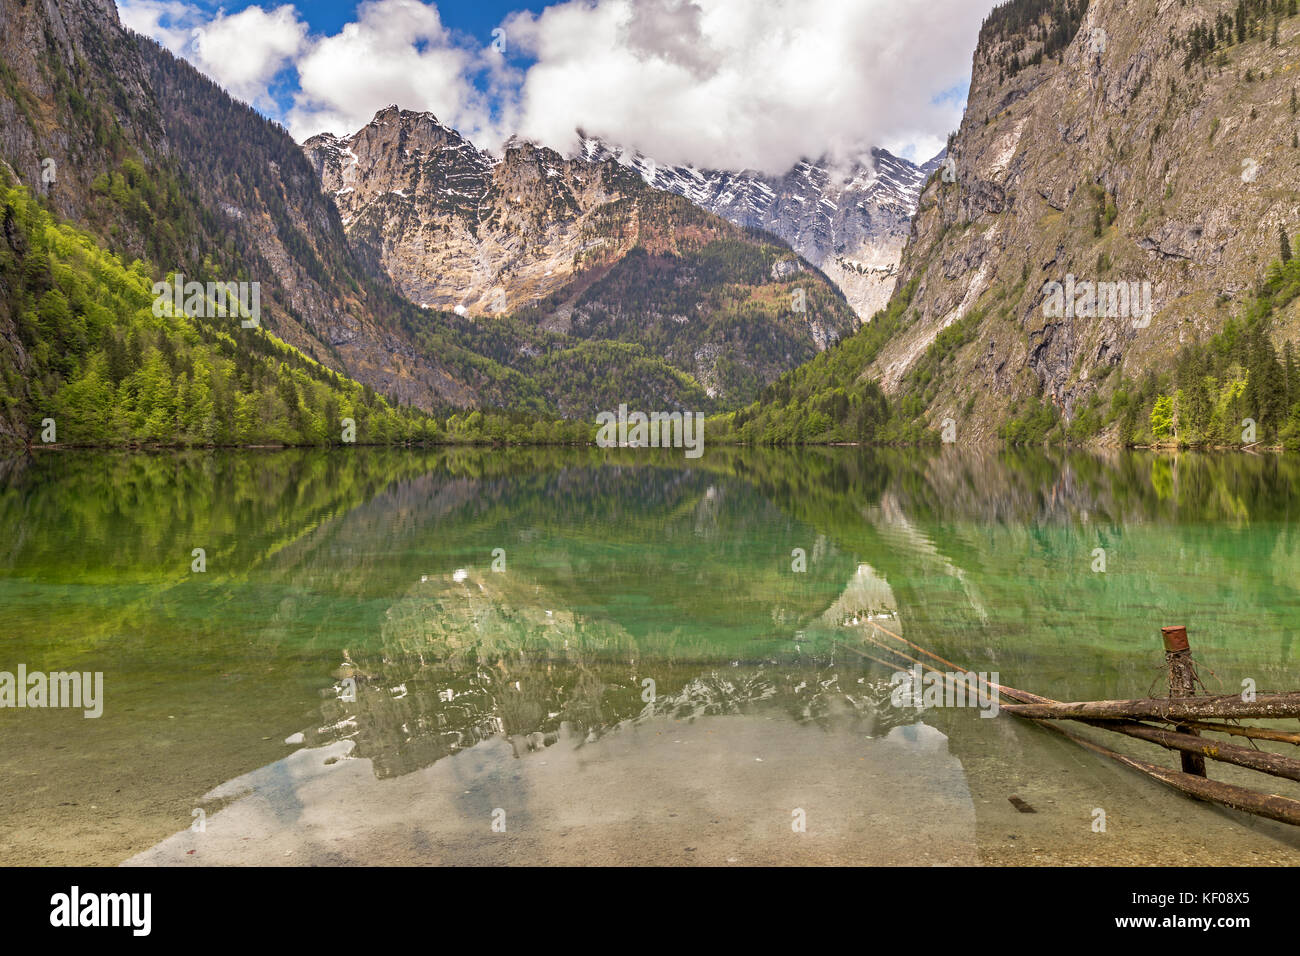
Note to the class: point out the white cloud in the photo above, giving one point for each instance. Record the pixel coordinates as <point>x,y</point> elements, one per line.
<point>147,16</point>
<point>397,51</point>
<point>244,52</point>
<point>722,83</point>
<point>733,83</point>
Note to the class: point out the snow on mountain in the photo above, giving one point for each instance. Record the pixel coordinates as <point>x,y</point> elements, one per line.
<point>851,220</point>
<point>579,249</point>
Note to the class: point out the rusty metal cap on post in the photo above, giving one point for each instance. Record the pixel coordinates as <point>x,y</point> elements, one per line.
<point>1175,637</point>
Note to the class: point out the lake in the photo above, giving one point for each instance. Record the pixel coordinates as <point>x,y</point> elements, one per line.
<point>569,656</point>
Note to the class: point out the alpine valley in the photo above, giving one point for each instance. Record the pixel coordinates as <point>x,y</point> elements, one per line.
<point>563,286</point>
<point>554,254</point>
<point>425,288</point>
<point>575,502</point>
<point>1149,143</point>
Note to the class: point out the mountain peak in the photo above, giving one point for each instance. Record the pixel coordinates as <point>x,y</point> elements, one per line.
<point>579,249</point>
<point>851,218</point>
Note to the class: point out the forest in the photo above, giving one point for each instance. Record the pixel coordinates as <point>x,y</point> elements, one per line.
<point>1234,388</point>
<point>1052,24</point>
<point>91,357</point>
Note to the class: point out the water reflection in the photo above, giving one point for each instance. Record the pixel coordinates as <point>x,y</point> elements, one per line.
<point>459,662</point>
<point>374,571</point>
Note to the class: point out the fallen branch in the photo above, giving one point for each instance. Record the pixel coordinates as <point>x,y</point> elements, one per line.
<point>1254,733</point>
<point>1179,710</point>
<point>1163,708</point>
<point>1269,805</point>
<point>1261,760</point>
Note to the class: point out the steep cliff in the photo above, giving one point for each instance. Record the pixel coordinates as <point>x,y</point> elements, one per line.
<point>1105,254</point>
<point>1110,143</point>
<point>154,159</point>
<point>849,219</point>
<point>579,251</point>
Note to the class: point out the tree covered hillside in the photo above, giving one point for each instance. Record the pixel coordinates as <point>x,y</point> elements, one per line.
<point>107,370</point>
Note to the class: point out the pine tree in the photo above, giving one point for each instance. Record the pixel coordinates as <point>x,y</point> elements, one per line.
<point>1286,244</point>
<point>1290,383</point>
<point>1271,387</point>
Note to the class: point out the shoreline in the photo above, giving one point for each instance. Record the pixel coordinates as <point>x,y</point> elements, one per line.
<point>14,449</point>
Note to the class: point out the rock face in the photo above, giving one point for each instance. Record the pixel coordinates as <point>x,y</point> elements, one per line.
<point>97,105</point>
<point>454,227</point>
<point>1097,145</point>
<point>850,220</point>
<point>85,43</point>
<point>578,249</point>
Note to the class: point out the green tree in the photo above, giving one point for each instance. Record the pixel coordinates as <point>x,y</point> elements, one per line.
<point>1290,383</point>
<point>1162,417</point>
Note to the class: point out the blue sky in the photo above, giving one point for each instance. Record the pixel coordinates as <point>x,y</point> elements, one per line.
<point>722,83</point>
<point>476,17</point>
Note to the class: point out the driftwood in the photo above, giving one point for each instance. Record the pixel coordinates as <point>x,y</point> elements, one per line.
<point>1262,760</point>
<point>1269,805</point>
<point>1163,708</point>
<point>1116,715</point>
<point>1254,733</point>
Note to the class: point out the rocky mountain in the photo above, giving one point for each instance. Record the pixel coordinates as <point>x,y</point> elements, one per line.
<point>1111,261</point>
<point>136,147</point>
<point>456,228</point>
<point>578,249</point>
<point>849,219</point>
<point>648,301</point>
<point>1110,142</point>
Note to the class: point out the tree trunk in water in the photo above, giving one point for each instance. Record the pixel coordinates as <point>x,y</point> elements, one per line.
<point>1162,708</point>
<point>1261,760</point>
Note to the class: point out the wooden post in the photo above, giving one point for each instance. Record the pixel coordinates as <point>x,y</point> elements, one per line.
<point>1182,683</point>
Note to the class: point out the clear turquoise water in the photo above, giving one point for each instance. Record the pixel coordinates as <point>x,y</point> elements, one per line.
<point>611,568</point>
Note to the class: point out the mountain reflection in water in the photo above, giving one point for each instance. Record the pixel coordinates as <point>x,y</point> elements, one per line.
<point>457,664</point>
<point>739,585</point>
